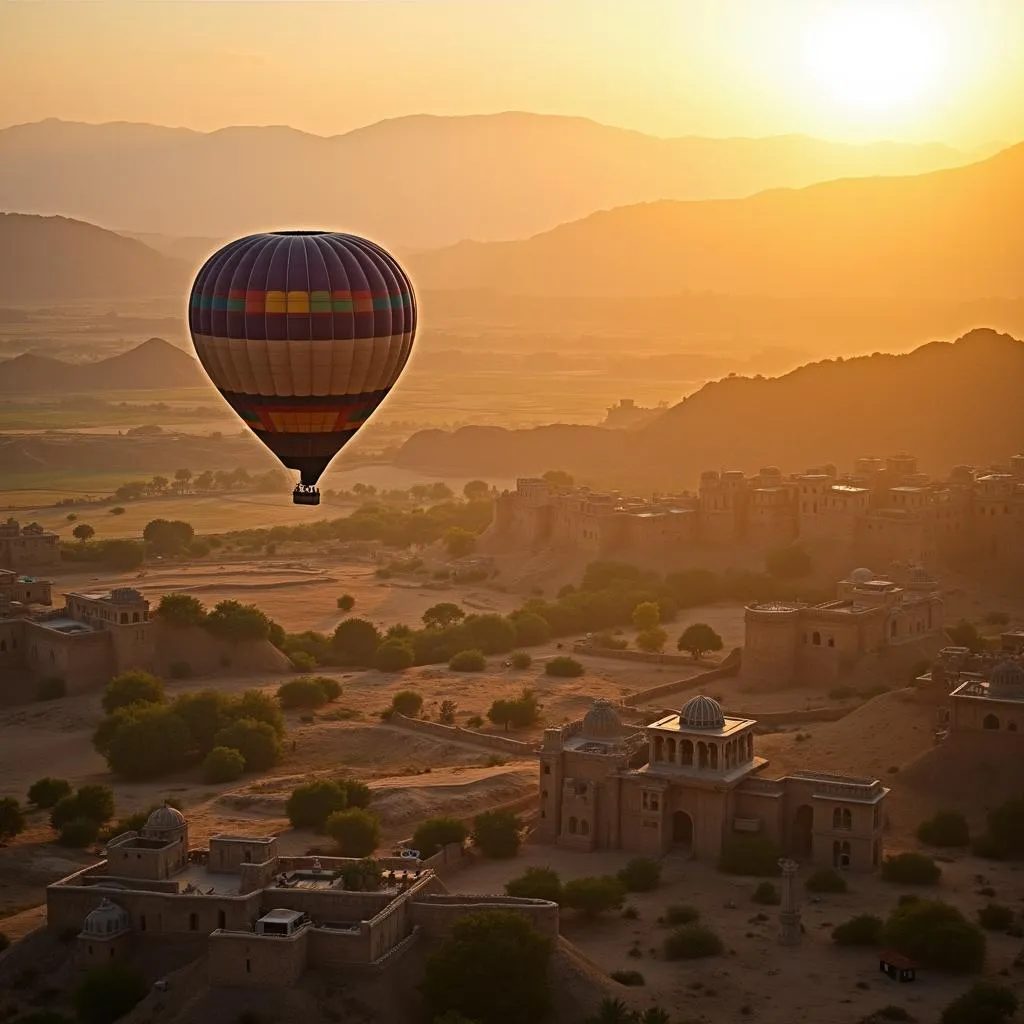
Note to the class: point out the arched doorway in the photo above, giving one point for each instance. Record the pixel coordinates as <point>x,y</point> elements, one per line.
<point>682,830</point>
<point>802,838</point>
<point>990,722</point>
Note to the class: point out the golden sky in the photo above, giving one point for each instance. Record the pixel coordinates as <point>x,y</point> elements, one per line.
<point>914,70</point>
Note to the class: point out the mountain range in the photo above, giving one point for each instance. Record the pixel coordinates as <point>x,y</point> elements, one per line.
<point>946,234</point>
<point>153,364</point>
<point>947,402</point>
<point>412,182</point>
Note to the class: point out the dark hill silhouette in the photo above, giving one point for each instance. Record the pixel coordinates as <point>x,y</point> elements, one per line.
<point>153,364</point>
<point>414,181</point>
<point>949,403</point>
<point>951,233</point>
<point>54,258</point>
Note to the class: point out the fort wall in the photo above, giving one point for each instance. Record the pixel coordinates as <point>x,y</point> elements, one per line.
<point>435,915</point>
<point>457,734</point>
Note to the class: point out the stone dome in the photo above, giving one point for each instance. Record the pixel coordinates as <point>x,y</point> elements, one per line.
<point>107,919</point>
<point>861,575</point>
<point>1006,680</point>
<point>166,817</point>
<point>602,720</point>
<point>702,712</point>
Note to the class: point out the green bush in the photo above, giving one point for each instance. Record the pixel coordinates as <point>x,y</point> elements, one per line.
<point>223,764</point>
<point>407,703</point>
<point>12,818</point>
<point>767,895</point>
<point>521,660</point>
<point>346,603</point>
<point>497,833</point>
<point>150,740</point>
<point>45,792</point>
<point>641,874</point>
<point>826,880</point>
<point>394,656</point>
<point>677,914</point>
<point>863,930</point>
<point>983,1003</point>
<point>109,992</point>
<point>94,802</point>
<point>134,687</point>
<point>256,741</point>
<point>434,833</point>
<point>946,828</point>
<point>520,713</point>
<point>563,667</point>
<point>310,805</point>
<point>304,692</point>
<point>79,832</point>
<point>536,884</point>
<point>691,942</point>
<point>746,855</point>
<point>911,869</point>
<point>181,610</point>
<point>996,918</point>
<point>935,934</point>
<point>357,832</point>
<point>357,794</point>
<point>468,661</point>
<point>629,978</point>
<point>593,896</point>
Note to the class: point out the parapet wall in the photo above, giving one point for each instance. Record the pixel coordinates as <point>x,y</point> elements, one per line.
<point>729,667</point>
<point>457,734</point>
<point>435,915</point>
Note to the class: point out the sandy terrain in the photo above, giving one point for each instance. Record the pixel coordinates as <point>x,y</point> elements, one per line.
<point>815,982</point>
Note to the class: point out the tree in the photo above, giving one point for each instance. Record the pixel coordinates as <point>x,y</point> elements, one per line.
<point>260,707</point>
<point>109,992</point>
<point>911,869</point>
<point>182,478</point>
<point>965,634</point>
<point>407,703</point>
<point>346,603</point>
<point>531,629</point>
<point>936,934</point>
<point>167,536</point>
<point>789,563</point>
<point>357,794</point>
<point>564,667</point>
<point>394,656</point>
<point>45,792</point>
<point>95,802</point>
<point>357,832</point>
<point>651,640</point>
<point>698,639</point>
<point>493,967</point>
<point>83,532</point>
<point>492,634</point>
<point>181,610</point>
<point>946,828</point>
<point>983,1003</point>
<point>446,713</point>
<point>312,804</point>
<point>459,542</point>
<point>536,884</point>
<point>132,687</point>
<point>468,661</point>
<point>205,713</point>
<point>355,641</point>
<point>496,833</point>
<point>446,613</point>
<point>236,622</point>
<point>256,741</point>
<point>79,832</point>
<point>303,692</point>
<point>434,833</point>
<point>646,615</point>
<point>1005,833</point>
<point>223,764</point>
<point>593,896</point>
<point>862,930</point>
<point>476,490</point>
<point>151,742</point>
<point>692,942</point>
<point>12,818</point>
<point>641,874</point>
<point>521,659</point>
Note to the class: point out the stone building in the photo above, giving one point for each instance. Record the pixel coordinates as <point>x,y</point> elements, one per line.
<point>28,548</point>
<point>991,700</point>
<point>263,919</point>
<point>786,642</point>
<point>691,780</point>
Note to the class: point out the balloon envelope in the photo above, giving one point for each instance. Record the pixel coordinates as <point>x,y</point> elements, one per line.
<point>304,333</point>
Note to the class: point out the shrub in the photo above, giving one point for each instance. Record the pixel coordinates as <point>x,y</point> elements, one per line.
<point>911,869</point>
<point>109,992</point>
<point>407,703</point>
<point>304,692</point>
<point>996,918</point>
<point>531,629</point>
<point>12,818</point>
<point>256,741</point>
<point>677,914</point>
<point>149,741</point>
<point>1005,835</point>
<point>946,828</point>
<point>223,764</point>
<point>691,942</point>
<point>474,721</point>
<point>79,832</point>
<point>357,832</point>
<point>447,613</point>
<point>357,794</point>
<point>536,884</point>
<point>355,642</point>
<point>303,661</point>
<point>52,688</point>
<point>311,805</point>
<point>521,659</point>
<point>134,687</point>
<point>181,610</point>
<point>652,640</point>
<point>434,833</point>
<point>393,656</point>
<point>983,1003</point>
<point>346,603</point>
<point>862,930</point>
<point>563,667</point>
<point>45,793</point>
<point>496,833</point>
<point>630,978</point>
<point>446,713</point>
<point>641,874</point>
<point>745,855</point>
<point>468,661</point>
<point>698,639</point>
<point>936,934</point>
<point>767,895</point>
<point>826,880</point>
<point>95,802</point>
<point>593,896</point>
<point>519,713</point>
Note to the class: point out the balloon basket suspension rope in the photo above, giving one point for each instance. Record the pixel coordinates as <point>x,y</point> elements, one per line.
<point>306,494</point>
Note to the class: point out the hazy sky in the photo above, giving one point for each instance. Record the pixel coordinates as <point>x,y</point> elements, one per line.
<point>845,69</point>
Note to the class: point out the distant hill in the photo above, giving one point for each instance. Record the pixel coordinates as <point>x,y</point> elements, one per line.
<point>153,364</point>
<point>948,234</point>
<point>948,403</point>
<point>54,258</point>
<point>418,181</point>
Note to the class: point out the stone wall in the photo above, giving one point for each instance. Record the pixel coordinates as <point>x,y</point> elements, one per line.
<point>457,734</point>
<point>256,876</point>
<point>729,667</point>
<point>435,915</point>
<point>245,958</point>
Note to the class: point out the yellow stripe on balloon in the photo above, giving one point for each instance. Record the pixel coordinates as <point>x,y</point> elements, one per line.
<point>276,302</point>
<point>298,302</point>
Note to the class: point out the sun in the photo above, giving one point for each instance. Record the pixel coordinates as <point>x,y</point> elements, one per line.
<point>877,59</point>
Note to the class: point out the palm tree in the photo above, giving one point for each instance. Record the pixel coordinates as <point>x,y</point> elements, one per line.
<point>612,1011</point>
<point>655,1015</point>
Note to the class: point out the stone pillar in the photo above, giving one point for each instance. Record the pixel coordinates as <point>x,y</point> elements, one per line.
<point>790,928</point>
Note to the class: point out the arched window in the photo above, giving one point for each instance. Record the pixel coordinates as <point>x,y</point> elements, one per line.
<point>831,641</point>
<point>686,752</point>
<point>816,638</point>
<point>847,818</point>
<point>837,818</point>
<point>990,722</point>
<point>671,751</point>
<point>573,825</point>
<point>584,827</point>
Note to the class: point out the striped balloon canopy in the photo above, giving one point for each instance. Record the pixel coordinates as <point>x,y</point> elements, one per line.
<point>304,333</point>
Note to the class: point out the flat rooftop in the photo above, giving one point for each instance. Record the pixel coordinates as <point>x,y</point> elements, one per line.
<point>671,723</point>
<point>65,625</point>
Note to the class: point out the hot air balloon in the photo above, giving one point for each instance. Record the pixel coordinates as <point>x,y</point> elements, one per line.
<point>304,333</point>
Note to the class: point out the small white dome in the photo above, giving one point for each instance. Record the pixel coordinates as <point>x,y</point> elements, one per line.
<point>166,817</point>
<point>702,712</point>
<point>602,720</point>
<point>1006,680</point>
<point>861,575</point>
<point>107,919</point>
